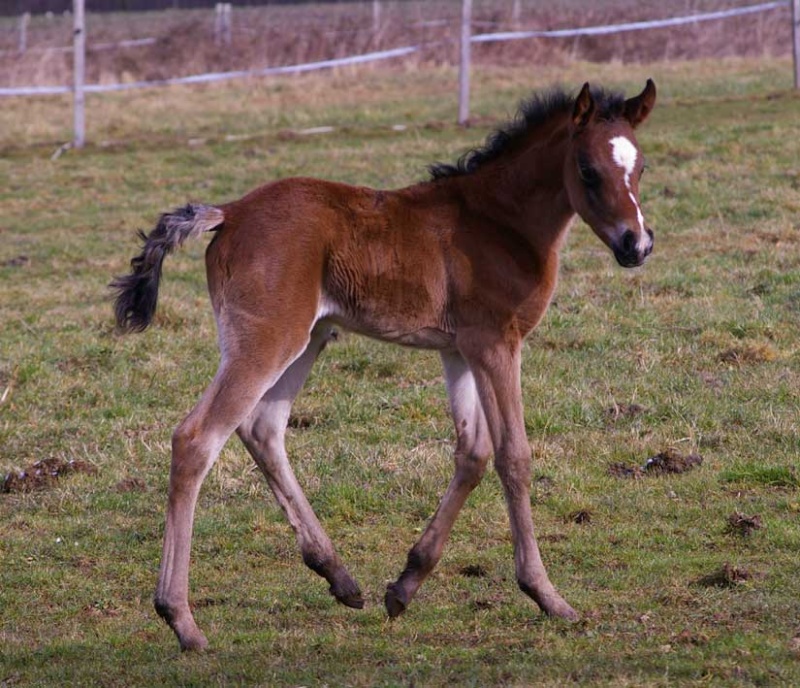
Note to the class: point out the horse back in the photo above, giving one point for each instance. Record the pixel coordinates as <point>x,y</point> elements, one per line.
<point>374,261</point>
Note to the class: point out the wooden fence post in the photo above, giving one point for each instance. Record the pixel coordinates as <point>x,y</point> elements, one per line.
<point>24,20</point>
<point>223,33</point>
<point>376,16</point>
<point>464,62</point>
<point>796,41</point>
<point>227,29</point>
<point>516,11</point>
<point>79,72</point>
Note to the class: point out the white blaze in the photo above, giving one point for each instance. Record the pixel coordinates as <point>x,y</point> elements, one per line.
<point>625,155</point>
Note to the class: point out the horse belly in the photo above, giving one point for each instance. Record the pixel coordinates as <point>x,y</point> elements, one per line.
<point>396,293</point>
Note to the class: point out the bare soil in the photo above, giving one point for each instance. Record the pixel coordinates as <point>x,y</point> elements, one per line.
<point>43,474</point>
<point>671,461</point>
<point>665,462</point>
<point>740,524</point>
<point>728,576</point>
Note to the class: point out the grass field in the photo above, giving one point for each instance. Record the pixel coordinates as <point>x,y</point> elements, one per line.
<point>697,353</point>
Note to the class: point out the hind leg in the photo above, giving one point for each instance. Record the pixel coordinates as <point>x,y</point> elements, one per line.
<point>473,448</point>
<point>263,435</point>
<point>238,385</point>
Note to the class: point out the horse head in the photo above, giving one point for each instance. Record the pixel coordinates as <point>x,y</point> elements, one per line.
<point>603,170</point>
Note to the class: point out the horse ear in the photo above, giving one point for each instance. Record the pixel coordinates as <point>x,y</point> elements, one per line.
<point>584,109</point>
<point>637,109</point>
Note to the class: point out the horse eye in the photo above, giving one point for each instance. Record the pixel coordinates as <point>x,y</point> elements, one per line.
<point>589,176</point>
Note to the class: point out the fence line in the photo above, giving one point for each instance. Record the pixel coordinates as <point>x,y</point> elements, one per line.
<point>396,52</point>
<point>478,38</point>
<point>631,26</point>
<point>128,43</point>
<point>217,76</point>
<point>79,89</point>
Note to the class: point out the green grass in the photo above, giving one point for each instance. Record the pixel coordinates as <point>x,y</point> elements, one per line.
<point>704,339</point>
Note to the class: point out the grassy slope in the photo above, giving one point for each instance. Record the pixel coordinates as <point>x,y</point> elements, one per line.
<point>704,338</point>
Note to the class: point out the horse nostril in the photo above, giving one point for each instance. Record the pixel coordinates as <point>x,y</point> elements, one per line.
<point>628,242</point>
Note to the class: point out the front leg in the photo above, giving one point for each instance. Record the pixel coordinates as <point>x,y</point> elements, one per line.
<point>496,366</point>
<point>471,456</point>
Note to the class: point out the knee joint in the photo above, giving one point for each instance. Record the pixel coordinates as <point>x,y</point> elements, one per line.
<point>262,433</point>
<point>190,453</point>
<point>514,466</point>
<point>471,467</point>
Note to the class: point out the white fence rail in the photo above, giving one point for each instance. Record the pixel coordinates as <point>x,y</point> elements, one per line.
<point>631,26</point>
<point>467,39</point>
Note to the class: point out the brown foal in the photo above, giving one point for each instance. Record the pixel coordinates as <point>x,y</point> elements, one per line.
<point>465,263</point>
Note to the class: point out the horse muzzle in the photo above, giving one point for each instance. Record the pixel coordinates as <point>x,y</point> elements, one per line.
<point>631,249</point>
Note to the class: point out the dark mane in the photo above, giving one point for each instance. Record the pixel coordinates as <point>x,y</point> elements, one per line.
<point>531,114</point>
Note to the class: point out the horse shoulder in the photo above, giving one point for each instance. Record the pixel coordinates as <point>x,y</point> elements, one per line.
<point>498,280</point>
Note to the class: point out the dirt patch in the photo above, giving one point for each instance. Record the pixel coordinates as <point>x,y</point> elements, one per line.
<point>43,474</point>
<point>739,524</point>
<point>543,486</point>
<point>623,470</point>
<point>710,380</point>
<point>204,602</point>
<point>670,461</point>
<point>622,411</point>
<point>479,605</point>
<point>750,354</point>
<point>102,609</point>
<point>473,571</point>
<point>301,421</point>
<point>17,262</point>
<point>552,537</point>
<point>131,485</point>
<point>690,637</point>
<point>582,517</point>
<point>728,576</point>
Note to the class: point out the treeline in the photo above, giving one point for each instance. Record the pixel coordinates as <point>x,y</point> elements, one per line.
<point>16,7</point>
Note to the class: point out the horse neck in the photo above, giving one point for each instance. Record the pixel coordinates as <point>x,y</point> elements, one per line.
<point>523,191</point>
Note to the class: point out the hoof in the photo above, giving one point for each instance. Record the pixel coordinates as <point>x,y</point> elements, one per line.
<point>190,637</point>
<point>393,601</point>
<point>551,603</point>
<point>195,643</point>
<point>562,610</point>
<point>346,591</point>
<point>353,601</point>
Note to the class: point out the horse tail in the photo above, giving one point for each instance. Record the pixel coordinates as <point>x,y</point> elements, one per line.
<point>137,293</point>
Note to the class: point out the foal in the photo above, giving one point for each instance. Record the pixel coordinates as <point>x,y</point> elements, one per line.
<point>464,263</point>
